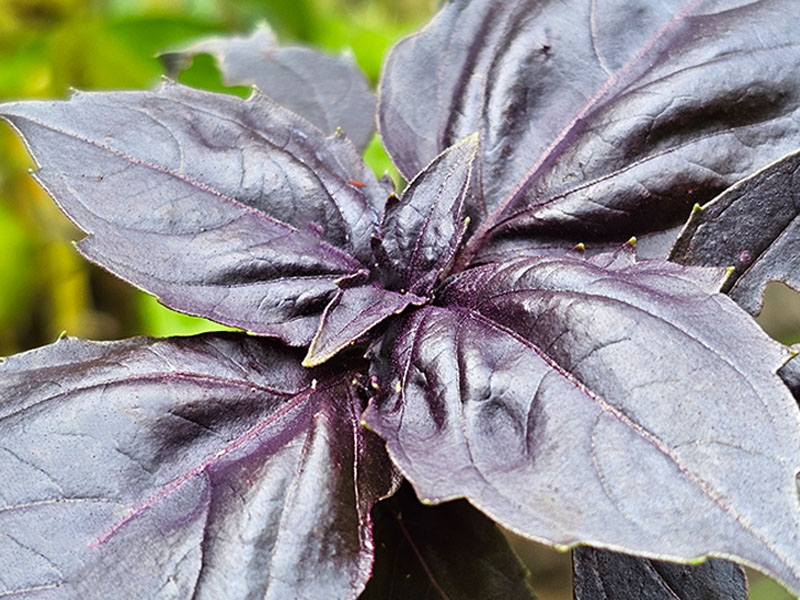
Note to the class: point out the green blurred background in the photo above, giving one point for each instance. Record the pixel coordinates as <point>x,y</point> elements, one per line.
<point>49,46</point>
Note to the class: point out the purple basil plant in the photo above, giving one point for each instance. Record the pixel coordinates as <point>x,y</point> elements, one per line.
<point>494,333</point>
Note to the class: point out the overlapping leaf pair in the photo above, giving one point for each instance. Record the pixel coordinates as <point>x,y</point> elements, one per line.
<point>573,397</point>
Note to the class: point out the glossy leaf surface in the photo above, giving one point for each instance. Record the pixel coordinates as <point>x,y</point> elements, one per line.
<point>599,119</point>
<point>604,401</point>
<point>447,551</point>
<point>204,467</point>
<point>421,231</point>
<point>234,210</point>
<point>605,575</point>
<point>754,227</point>
<point>330,91</point>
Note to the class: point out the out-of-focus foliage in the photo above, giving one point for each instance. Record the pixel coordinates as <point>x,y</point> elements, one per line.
<point>50,46</point>
<point>780,316</point>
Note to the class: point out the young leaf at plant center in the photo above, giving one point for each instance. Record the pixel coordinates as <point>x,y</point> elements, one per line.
<point>754,227</point>
<point>206,467</point>
<point>606,575</point>
<point>421,231</point>
<point>594,129</point>
<point>616,403</point>
<point>238,211</point>
<point>329,91</point>
<point>447,551</point>
<point>352,313</point>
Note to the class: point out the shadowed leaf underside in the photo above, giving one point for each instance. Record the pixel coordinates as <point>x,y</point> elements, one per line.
<point>605,575</point>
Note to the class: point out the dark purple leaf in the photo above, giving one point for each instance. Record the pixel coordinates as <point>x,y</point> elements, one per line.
<point>606,575</point>
<point>753,227</point>
<point>329,91</point>
<point>223,208</point>
<point>421,231</point>
<point>352,313</point>
<point>599,119</point>
<point>441,552</point>
<point>620,404</point>
<point>205,467</point>
<point>790,373</point>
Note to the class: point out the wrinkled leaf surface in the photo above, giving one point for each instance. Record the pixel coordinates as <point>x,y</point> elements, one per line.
<point>421,231</point>
<point>352,313</point>
<point>604,401</point>
<point>205,467</point>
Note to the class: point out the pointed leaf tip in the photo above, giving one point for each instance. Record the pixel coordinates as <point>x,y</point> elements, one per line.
<point>603,139</point>
<point>754,226</point>
<point>133,168</point>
